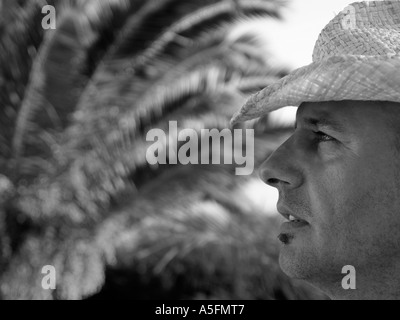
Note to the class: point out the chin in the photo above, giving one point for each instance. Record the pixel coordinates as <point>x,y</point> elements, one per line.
<point>295,264</point>
<point>287,264</point>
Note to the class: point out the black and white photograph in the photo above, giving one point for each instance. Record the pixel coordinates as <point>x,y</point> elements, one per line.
<point>199,153</point>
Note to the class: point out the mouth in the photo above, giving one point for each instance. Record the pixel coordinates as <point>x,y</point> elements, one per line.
<point>291,217</point>
<point>294,223</point>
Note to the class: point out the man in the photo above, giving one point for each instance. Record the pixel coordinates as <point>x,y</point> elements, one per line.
<point>338,175</point>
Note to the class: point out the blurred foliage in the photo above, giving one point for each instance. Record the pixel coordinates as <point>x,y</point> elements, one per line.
<point>76,191</point>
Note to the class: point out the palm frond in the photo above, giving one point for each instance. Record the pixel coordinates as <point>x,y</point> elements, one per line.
<point>147,24</point>
<point>20,30</point>
<point>92,206</point>
<point>178,77</point>
<point>50,98</point>
<point>210,16</point>
<point>123,153</point>
<point>97,184</point>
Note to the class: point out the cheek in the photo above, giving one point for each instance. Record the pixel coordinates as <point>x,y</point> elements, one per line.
<point>328,193</point>
<point>334,205</point>
<point>355,207</point>
<point>340,187</point>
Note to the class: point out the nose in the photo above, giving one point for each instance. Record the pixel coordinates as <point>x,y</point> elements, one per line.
<point>282,168</point>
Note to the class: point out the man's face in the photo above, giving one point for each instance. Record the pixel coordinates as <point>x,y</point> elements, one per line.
<point>339,174</point>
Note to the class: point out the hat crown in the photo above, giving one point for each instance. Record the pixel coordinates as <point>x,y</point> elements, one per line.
<point>362,28</point>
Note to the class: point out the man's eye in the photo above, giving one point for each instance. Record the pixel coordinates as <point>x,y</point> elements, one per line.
<point>322,137</point>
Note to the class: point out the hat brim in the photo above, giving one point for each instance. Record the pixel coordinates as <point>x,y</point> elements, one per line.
<point>337,78</point>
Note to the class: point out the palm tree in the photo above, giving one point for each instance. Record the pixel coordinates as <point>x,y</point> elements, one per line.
<point>76,191</point>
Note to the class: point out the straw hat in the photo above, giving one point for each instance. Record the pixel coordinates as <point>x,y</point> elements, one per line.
<point>356,57</point>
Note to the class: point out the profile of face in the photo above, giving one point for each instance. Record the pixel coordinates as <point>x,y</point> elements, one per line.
<point>338,177</point>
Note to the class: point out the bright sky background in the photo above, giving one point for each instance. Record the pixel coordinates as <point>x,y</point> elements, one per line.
<point>291,41</point>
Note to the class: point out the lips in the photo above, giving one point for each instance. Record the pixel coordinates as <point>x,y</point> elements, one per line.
<point>294,223</point>
<point>293,219</point>
<point>290,215</point>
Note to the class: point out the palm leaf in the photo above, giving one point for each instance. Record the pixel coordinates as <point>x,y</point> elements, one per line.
<point>19,30</point>
<point>49,99</point>
<point>89,202</point>
<point>172,70</point>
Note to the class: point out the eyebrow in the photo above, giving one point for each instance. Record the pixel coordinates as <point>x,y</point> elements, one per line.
<point>323,122</point>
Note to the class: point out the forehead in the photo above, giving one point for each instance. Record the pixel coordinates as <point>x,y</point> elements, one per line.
<point>330,109</point>
<point>349,113</point>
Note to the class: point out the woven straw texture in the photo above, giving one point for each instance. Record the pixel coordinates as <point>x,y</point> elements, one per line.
<point>356,57</point>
